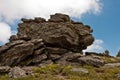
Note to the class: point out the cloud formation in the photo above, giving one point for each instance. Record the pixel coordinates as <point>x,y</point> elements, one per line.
<point>5,32</point>
<point>97,46</point>
<point>11,10</point>
<point>15,9</point>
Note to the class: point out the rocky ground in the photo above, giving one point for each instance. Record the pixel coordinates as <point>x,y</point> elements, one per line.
<point>52,50</point>
<point>109,71</point>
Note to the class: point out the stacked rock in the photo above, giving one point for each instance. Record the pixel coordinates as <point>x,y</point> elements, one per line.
<point>58,40</point>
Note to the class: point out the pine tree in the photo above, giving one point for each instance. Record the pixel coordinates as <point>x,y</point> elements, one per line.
<point>118,54</point>
<point>106,53</point>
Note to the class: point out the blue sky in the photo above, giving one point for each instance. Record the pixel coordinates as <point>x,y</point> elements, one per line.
<point>101,15</point>
<point>106,25</point>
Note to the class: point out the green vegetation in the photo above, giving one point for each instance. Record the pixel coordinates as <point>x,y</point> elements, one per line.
<point>118,54</point>
<point>57,72</point>
<point>111,59</point>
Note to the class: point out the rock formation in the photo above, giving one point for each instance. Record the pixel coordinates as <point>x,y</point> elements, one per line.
<point>38,42</point>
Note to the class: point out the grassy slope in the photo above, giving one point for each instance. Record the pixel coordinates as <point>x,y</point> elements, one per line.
<point>57,72</point>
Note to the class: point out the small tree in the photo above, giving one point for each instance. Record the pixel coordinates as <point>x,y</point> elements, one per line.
<point>106,53</point>
<point>118,54</point>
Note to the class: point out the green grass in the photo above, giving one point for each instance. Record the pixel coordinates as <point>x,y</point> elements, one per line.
<point>57,72</point>
<point>111,59</point>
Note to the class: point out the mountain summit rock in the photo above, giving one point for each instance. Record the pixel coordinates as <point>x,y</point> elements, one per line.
<point>39,41</point>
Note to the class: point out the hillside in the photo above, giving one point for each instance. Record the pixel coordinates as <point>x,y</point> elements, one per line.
<point>53,50</point>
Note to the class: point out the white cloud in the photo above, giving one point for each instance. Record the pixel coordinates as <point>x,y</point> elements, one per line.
<point>11,10</point>
<point>15,9</point>
<point>5,32</point>
<point>97,46</point>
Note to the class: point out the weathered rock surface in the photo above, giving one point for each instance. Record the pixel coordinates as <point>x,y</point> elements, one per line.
<point>29,70</point>
<point>59,18</point>
<point>110,65</point>
<point>58,32</point>
<point>80,70</point>
<point>69,59</point>
<point>98,54</point>
<point>90,60</point>
<point>16,54</point>
<point>4,69</point>
<point>39,42</point>
<point>17,72</point>
<point>117,75</point>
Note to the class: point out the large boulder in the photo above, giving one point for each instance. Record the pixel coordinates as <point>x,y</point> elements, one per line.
<point>17,72</point>
<point>16,54</point>
<point>40,42</point>
<point>69,58</point>
<point>95,61</point>
<point>59,31</point>
<point>58,17</point>
<point>110,65</point>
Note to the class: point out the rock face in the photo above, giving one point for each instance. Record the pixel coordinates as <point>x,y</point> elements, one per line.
<point>91,60</point>
<point>39,41</point>
<point>59,31</point>
<point>4,69</point>
<point>110,65</point>
<point>17,72</point>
